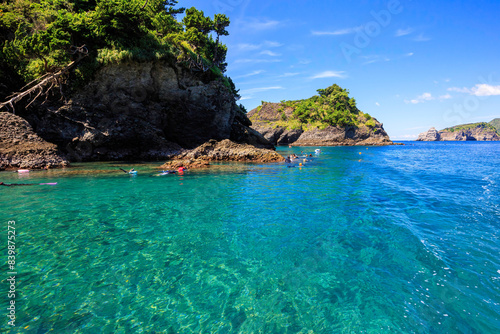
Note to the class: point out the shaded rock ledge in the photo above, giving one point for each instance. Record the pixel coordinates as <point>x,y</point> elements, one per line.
<point>20,147</point>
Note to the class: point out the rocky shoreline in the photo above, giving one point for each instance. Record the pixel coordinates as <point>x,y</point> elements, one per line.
<point>222,151</point>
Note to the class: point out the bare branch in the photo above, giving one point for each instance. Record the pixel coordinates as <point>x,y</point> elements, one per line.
<point>45,80</point>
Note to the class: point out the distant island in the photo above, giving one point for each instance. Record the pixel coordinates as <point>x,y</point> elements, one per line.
<point>466,132</point>
<point>330,118</point>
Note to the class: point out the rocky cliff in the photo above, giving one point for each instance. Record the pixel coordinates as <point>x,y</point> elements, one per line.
<point>20,147</point>
<point>269,118</point>
<point>146,111</point>
<point>466,132</point>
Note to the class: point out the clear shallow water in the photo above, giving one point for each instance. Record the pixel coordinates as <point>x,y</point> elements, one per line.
<point>401,239</point>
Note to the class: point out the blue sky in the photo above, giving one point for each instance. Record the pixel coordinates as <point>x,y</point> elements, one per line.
<point>410,64</point>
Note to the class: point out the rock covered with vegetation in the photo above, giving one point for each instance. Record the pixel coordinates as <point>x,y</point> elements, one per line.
<point>119,79</point>
<point>466,132</point>
<point>328,119</point>
<point>40,37</point>
<point>20,147</point>
<point>496,124</point>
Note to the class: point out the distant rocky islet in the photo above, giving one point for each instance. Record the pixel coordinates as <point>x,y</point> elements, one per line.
<point>467,132</point>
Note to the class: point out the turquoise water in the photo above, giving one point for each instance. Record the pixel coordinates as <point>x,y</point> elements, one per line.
<point>401,239</point>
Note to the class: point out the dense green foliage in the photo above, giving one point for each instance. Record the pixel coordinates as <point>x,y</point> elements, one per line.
<point>37,36</point>
<point>332,106</point>
<point>465,127</point>
<point>496,123</point>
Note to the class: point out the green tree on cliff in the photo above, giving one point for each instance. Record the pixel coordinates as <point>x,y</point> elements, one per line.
<point>332,106</point>
<point>38,36</point>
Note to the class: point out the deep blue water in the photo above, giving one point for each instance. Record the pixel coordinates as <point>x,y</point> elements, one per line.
<point>400,239</point>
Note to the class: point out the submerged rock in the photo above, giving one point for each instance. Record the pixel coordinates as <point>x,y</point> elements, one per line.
<point>20,147</point>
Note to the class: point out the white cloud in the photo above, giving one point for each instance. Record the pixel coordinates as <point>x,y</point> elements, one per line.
<point>253,47</point>
<point>485,117</point>
<point>247,60</point>
<point>377,104</point>
<point>421,38</point>
<point>252,91</point>
<point>404,32</point>
<point>422,98</point>
<point>251,74</point>
<point>374,59</point>
<point>403,137</point>
<point>338,32</point>
<point>409,54</point>
<point>249,47</point>
<point>418,128</point>
<point>270,53</point>
<point>248,94</point>
<point>445,97</point>
<point>260,24</point>
<point>271,44</point>
<point>478,90</point>
<point>330,74</point>
<point>486,90</point>
<point>288,74</point>
<point>459,90</point>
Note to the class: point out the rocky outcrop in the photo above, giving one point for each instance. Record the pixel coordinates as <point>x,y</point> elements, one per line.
<point>143,111</point>
<point>348,136</point>
<point>466,132</point>
<point>278,135</point>
<point>225,150</point>
<point>20,147</point>
<point>431,135</point>
<point>267,121</point>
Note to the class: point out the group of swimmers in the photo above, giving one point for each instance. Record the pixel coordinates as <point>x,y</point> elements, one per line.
<point>291,158</point>
<point>179,171</point>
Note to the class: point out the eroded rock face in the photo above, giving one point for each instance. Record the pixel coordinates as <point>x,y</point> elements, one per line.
<point>469,135</point>
<point>20,147</point>
<point>278,135</point>
<point>225,150</point>
<point>348,136</point>
<point>146,111</point>
<point>431,135</point>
